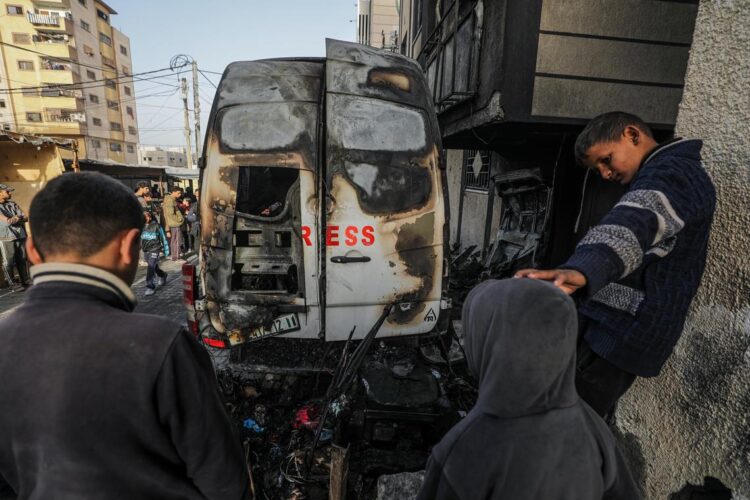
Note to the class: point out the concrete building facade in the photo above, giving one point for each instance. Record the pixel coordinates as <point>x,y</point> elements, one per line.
<point>377,23</point>
<point>64,73</point>
<point>163,156</point>
<point>693,420</point>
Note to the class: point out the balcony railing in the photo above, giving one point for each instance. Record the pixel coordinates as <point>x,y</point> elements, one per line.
<point>40,19</point>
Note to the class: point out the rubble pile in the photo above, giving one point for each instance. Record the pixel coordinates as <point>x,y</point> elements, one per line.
<point>301,439</point>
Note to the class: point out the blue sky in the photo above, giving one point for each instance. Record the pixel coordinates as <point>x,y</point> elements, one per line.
<point>215,33</point>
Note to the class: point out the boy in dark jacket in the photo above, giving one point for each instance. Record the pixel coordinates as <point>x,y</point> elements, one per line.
<point>99,401</point>
<point>639,268</point>
<point>153,242</point>
<point>529,437</point>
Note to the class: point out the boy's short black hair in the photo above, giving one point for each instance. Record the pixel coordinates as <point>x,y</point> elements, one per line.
<point>81,212</point>
<point>607,127</point>
<point>142,184</point>
<point>174,189</point>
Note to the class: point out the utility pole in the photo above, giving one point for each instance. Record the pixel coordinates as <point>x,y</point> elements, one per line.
<point>196,110</point>
<point>188,150</point>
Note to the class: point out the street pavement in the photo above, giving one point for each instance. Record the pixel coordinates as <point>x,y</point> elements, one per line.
<point>167,301</point>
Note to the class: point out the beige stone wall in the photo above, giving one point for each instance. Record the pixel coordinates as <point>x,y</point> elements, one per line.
<point>27,169</point>
<point>694,419</point>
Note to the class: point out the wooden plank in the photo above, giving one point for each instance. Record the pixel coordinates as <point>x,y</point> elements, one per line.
<point>339,473</point>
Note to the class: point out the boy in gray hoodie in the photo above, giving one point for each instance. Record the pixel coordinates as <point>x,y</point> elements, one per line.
<point>529,436</point>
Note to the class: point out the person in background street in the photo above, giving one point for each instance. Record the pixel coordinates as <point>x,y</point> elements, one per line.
<point>529,436</point>
<point>194,221</point>
<point>99,401</point>
<point>13,240</point>
<point>143,191</point>
<point>173,220</point>
<point>153,242</point>
<point>639,268</point>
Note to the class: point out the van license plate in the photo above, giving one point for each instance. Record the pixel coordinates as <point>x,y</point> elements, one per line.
<point>283,324</point>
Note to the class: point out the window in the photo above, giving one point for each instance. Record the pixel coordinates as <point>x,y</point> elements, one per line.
<point>476,170</point>
<point>51,90</point>
<point>96,143</point>
<point>123,50</point>
<point>15,10</point>
<point>6,126</point>
<point>125,70</point>
<point>127,91</point>
<point>82,2</point>
<point>26,65</point>
<point>115,147</point>
<point>131,130</point>
<point>90,75</point>
<point>33,117</point>
<point>130,111</point>
<point>116,127</point>
<point>102,14</point>
<point>50,38</point>
<point>110,84</point>
<point>30,91</point>
<point>105,39</point>
<point>88,51</point>
<point>94,98</point>
<point>22,38</point>
<point>131,149</point>
<point>113,105</point>
<point>109,62</point>
<point>85,26</point>
<point>97,122</point>
<point>2,103</point>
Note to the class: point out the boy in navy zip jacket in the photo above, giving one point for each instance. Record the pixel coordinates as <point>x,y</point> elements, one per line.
<point>153,242</point>
<point>638,270</point>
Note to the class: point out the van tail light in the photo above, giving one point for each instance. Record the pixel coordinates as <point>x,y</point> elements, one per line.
<point>188,296</point>
<point>218,343</point>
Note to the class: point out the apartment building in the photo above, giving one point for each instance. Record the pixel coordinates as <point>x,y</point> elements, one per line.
<point>163,156</point>
<point>377,23</point>
<point>63,72</point>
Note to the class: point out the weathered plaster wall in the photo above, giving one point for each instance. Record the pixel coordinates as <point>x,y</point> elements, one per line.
<point>694,420</point>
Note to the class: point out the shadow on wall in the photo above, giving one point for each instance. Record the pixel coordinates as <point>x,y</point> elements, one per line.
<point>711,489</point>
<point>631,448</point>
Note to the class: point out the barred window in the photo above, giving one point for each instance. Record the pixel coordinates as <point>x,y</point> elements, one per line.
<point>476,170</point>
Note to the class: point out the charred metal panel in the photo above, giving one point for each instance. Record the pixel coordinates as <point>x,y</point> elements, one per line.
<point>265,117</point>
<point>383,226</point>
<point>383,172</point>
<point>521,237</point>
<point>269,81</point>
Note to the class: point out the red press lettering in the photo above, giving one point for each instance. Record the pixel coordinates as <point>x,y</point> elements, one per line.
<point>351,236</point>
<point>368,235</point>
<point>306,231</point>
<point>332,236</point>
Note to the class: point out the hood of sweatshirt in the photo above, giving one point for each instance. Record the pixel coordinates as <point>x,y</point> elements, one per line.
<point>520,341</point>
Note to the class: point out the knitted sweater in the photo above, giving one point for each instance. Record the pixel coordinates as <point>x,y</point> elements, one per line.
<point>644,261</point>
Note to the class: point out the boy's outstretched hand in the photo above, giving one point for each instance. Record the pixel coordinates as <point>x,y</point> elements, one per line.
<point>566,280</point>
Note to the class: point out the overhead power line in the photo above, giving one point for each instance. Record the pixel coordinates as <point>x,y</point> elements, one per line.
<point>176,65</point>
<point>85,85</point>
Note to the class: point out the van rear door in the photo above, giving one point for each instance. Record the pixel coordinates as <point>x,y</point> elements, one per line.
<point>385,216</point>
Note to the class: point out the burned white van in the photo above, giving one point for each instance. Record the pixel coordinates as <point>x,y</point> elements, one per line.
<point>323,202</point>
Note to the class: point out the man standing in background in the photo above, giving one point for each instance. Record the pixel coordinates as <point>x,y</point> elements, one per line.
<point>173,220</point>
<point>13,240</point>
